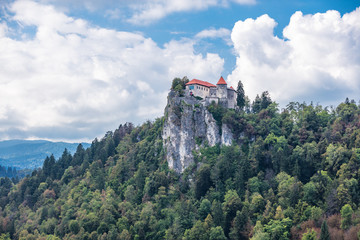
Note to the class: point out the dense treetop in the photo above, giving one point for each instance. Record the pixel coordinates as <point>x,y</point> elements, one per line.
<point>289,174</point>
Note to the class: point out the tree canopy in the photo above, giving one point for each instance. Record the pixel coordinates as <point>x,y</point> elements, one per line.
<point>290,174</point>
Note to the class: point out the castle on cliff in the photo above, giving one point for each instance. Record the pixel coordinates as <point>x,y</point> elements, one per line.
<point>218,93</point>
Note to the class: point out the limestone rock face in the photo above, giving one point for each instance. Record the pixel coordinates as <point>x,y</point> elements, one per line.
<point>226,136</point>
<point>188,125</point>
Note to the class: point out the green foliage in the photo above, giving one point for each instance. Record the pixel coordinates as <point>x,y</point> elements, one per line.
<point>205,208</point>
<point>5,236</point>
<point>285,173</point>
<point>309,235</point>
<point>259,233</point>
<point>178,85</point>
<point>197,232</point>
<point>346,215</point>
<point>217,213</point>
<point>262,102</point>
<point>203,181</point>
<point>279,229</point>
<point>217,112</point>
<point>217,233</point>
<point>324,234</point>
<point>74,226</point>
<point>240,95</point>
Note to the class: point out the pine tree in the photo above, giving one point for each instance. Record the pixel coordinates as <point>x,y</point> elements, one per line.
<point>240,98</point>
<point>324,234</point>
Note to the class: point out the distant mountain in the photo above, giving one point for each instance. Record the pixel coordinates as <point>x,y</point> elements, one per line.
<point>31,153</point>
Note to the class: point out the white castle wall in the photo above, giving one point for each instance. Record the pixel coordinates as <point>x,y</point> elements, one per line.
<point>198,90</point>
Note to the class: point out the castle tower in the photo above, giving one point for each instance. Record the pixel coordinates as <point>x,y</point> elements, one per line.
<point>221,88</point>
<point>231,96</point>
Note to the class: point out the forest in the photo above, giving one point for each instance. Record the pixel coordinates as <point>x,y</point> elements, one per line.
<point>289,174</point>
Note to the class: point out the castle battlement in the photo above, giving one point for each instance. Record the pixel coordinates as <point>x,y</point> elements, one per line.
<point>218,93</point>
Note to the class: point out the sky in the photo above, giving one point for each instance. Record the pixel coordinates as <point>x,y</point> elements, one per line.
<point>72,70</point>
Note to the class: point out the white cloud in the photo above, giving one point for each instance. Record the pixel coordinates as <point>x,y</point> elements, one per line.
<point>141,12</point>
<point>222,33</point>
<point>152,10</point>
<point>318,60</point>
<point>72,80</point>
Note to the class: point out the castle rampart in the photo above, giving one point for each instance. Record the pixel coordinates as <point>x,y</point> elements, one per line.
<point>219,93</point>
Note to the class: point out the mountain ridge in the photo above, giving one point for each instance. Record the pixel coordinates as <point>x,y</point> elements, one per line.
<point>31,153</point>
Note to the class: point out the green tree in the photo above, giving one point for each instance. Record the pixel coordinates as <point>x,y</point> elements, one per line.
<point>335,157</point>
<point>347,111</point>
<point>259,233</point>
<point>125,235</point>
<point>185,209</point>
<point>90,222</point>
<point>257,205</point>
<point>178,85</point>
<point>324,234</point>
<point>310,193</point>
<point>256,105</point>
<point>309,235</point>
<point>265,100</point>
<point>240,95</point>
<point>139,176</point>
<point>217,233</point>
<point>203,181</point>
<point>52,237</point>
<point>217,213</point>
<point>237,230</point>
<point>74,226</point>
<point>5,236</point>
<point>231,205</point>
<point>130,194</point>
<point>204,209</point>
<point>279,229</point>
<point>197,232</point>
<point>346,215</point>
<point>289,190</point>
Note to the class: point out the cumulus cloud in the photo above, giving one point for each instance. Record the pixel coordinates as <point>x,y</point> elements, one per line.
<point>152,10</point>
<point>318,59</point>
<point>71,80</point>
<point>222,33</point>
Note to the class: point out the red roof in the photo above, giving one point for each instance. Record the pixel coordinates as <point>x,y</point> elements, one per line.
<point>221,82</point>
<point>232,88</point>
<point>199,82</point>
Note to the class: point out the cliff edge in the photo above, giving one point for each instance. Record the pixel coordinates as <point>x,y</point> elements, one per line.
<point>188,126</point>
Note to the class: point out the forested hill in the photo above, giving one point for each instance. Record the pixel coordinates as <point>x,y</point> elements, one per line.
<point>289,174</point>
<point>30,154</point>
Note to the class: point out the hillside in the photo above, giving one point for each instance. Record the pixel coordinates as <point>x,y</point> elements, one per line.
<point>30,154</point>
<point>290,174</point>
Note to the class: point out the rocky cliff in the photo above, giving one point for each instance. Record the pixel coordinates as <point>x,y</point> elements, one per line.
<point>189,125</point>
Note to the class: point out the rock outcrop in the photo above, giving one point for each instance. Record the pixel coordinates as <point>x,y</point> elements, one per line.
<point>188,125</point>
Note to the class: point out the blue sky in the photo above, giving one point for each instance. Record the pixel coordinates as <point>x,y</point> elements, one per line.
<point>72,70</point>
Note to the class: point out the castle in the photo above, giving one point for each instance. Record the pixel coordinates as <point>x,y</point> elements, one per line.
<point>218,93</point>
